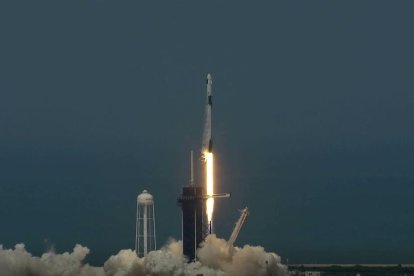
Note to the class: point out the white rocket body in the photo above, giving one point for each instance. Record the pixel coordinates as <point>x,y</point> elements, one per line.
<point>207,138</point>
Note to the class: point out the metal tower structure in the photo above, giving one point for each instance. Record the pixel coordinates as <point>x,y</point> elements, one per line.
<point>238,226</point>
<point>192,202</point>
<point>145,238</point>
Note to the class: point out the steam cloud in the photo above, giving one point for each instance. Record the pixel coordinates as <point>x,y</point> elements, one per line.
<point>215,258</point>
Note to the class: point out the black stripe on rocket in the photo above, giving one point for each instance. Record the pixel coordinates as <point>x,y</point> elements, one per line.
<point>210,143</point>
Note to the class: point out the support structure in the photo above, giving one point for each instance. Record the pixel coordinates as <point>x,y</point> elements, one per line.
<point>192,203</point>
<point>238,226</point>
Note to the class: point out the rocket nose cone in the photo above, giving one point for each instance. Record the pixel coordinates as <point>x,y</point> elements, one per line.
<point>208,76</point>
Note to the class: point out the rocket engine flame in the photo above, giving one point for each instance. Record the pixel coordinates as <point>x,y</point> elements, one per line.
<point>209,185</point>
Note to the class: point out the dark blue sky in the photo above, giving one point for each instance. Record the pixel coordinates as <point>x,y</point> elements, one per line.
<point>313,122</point>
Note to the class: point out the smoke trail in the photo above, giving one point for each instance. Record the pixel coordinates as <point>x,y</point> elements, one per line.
<point>215,258</point>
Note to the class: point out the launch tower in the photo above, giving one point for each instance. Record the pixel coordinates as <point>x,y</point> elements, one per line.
<point>192,203</point>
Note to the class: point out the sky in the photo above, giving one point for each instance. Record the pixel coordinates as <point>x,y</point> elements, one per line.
<point>312,123</point>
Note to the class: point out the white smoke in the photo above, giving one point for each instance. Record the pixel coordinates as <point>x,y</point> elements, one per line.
<point>215,258</point>
<point>19,262</point>
<point>248,260</point>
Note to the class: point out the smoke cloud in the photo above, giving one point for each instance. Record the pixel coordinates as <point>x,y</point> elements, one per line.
<point>215,258</point>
